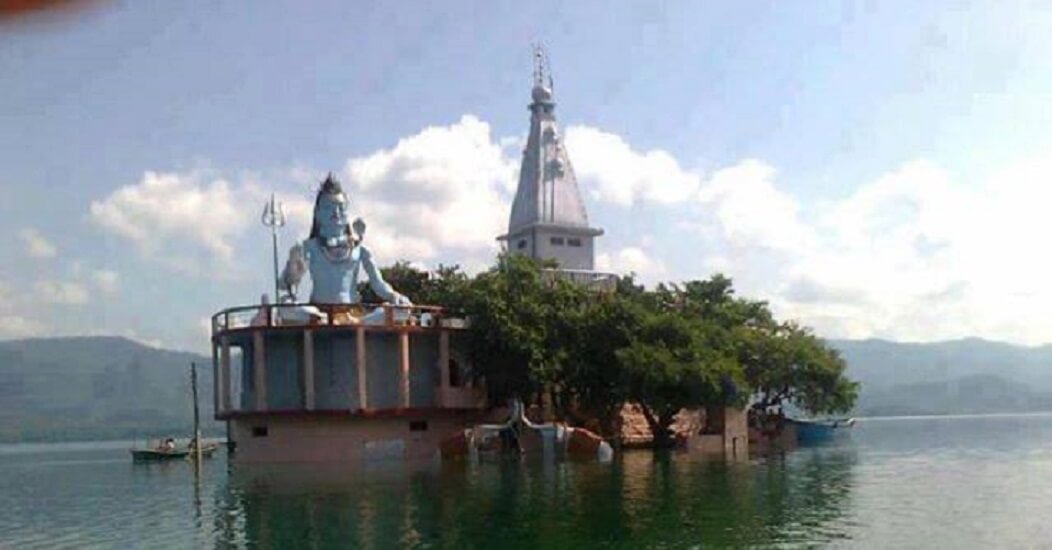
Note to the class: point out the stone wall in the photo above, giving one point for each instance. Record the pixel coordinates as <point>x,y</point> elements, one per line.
<point>730,437</point>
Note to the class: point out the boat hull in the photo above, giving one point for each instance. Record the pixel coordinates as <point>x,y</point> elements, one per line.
<point>814,432</point>
<point>155,455</point>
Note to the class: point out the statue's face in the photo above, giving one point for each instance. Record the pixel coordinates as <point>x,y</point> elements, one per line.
<point>331,215</point>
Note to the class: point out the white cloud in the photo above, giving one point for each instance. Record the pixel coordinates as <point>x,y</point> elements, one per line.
<point>179,218</point>
<point>912,255</point>
<point>749,211</point>
<point>61,292</point>
<point>444,189</point>
<point>915,254</point>
<point>632,259</point>
<point>36,245</point>
<point>613,172</point>
<point>14,326</point>
<point>105,280</point>
<point>439,195</point>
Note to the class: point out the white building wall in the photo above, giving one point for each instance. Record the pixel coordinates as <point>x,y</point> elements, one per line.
<point>555,244</point>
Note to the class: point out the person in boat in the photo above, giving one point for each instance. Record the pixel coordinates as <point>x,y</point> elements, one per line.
<point>334,255</point>
<point>168,445</point>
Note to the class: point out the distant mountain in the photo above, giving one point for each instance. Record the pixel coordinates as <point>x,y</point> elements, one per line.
<point>959,376</point>
<point>98,387</point>
<point>106,387</point>
<point>976,394</point>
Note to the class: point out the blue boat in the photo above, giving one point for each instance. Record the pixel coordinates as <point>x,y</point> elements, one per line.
<point>812,432</point>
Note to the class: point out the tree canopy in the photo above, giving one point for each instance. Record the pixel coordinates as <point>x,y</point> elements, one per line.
<point>678,346</point>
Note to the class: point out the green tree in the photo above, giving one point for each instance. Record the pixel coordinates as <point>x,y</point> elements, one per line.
<point>781,362</point>
<point>593,384</point>
<point>691,345</point>
<point>517,335</point>
<point>442,287</point>
<point>788,364</point>
<point>672,365</point>
<point>714,300</point>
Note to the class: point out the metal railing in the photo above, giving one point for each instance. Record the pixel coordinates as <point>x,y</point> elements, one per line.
<point>592,279</point>
<point>331,315</point>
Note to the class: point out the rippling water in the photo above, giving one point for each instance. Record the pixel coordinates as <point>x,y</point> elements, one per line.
<point>958,482</point>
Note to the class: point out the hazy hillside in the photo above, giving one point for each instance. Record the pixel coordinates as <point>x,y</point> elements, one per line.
<point>960,376</point>
<point>971,394</point>
<point>96,387</point>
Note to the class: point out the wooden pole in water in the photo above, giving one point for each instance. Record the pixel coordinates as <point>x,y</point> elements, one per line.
<point>197,418</point>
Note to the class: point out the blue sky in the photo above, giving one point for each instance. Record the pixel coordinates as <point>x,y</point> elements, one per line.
<point>872,169</point>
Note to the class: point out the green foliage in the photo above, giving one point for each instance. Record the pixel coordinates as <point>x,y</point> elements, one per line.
<point>593,381</point>
<point>787,364</point>
<point>676,347</point>
<point>670,365</point>
<point>519,319</point>
<point>444,286</point>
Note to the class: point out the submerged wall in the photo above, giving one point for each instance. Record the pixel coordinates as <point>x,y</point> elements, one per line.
<point>320,438</point>
<point>716,431</point>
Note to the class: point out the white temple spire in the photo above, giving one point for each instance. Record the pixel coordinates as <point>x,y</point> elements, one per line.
<point>548,217</point>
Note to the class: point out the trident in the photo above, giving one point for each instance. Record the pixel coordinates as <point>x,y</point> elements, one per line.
<point>274,217</point>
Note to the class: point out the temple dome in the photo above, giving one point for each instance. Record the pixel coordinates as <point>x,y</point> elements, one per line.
<point>542,94</point>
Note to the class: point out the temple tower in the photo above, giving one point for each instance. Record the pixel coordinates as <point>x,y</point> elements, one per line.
<point>548,217</point>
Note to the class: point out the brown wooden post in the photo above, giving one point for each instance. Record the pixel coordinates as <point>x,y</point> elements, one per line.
<point>363,398</point>
<point>403,371</point>
<point>197,420</point>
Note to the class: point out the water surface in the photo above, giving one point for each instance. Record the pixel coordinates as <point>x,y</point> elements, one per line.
<point>952,482</point>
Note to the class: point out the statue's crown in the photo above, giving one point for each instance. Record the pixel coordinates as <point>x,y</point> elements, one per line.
<point>330,185</point>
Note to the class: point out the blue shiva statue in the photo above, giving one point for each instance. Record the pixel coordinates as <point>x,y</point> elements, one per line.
<point>335,255</point>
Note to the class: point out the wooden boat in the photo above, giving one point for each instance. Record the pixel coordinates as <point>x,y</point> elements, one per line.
<point>159,454</point>
<point>166,449</point>
<point>810,432</point>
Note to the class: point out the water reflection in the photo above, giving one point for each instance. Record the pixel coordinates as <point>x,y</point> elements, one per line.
<point>642,499</point>
<point>964,482</point>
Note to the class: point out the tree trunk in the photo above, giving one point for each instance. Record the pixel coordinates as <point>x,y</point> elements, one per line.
<point>610,421</point>
<point>660,427</point>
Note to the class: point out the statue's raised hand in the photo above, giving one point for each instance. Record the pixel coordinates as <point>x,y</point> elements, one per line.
<point>359,228</point>
<point>295,267</point>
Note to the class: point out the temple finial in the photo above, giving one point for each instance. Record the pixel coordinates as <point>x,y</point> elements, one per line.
<point>542,76</point>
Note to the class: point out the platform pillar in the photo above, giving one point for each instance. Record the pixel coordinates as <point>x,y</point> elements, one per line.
<point>443,368</point>
<point>259,371</point>
<point>308,370</point>
<point>403,370</point>
<point>363,401</point>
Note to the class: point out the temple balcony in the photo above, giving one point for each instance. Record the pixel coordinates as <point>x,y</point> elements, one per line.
<point>340,359</point>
